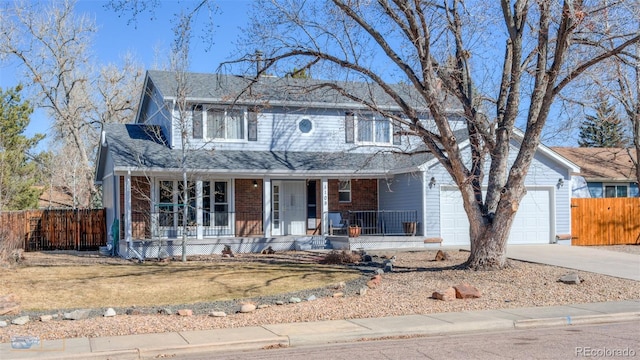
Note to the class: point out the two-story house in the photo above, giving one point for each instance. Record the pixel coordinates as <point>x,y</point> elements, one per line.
<point>281,163</point>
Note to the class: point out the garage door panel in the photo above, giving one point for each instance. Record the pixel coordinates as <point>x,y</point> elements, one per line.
<point>532,224</point>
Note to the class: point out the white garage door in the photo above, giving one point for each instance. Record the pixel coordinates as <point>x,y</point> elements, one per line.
<point>532,224</point>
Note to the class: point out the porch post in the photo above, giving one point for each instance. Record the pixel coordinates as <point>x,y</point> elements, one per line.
<point>199,209</point>
<point>266,206</point>
<point>325,205</point>
<point>153,209</point>
<point>127,207</point>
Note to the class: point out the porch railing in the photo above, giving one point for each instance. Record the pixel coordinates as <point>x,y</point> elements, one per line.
<point>163,224</point>
<point>383,222</point>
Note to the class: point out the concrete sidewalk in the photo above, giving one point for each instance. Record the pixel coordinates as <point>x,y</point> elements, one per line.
<point>606,262</point>
<point>148,346</point>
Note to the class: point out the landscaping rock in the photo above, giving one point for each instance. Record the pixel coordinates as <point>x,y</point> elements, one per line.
<point>379,271</point>
<point>311,298</point>
<point>45,318</point>
<point>109,312</point>
<point>362,291</point>
<point>571,278</point>
<point>466,291</point>
<point>77,315</point>
<point>3,324</point>
<point>388,267</point>
<point>279,302</point>
<point>263,306</point>
<point>218,314</point>
<point>337,295</point>
<point>20,320</point>
<point>367,258</point>
<point>448,294</point>
<point>165,311</point>
<point>133,311</point>
<point>295,300</point>
<point>374,282</point>
<point>442,256</point>
<point>185,312</point>
<point>247,308</point>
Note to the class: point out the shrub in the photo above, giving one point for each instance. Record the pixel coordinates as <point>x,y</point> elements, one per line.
<point>10,247</point>
<point>342,257</point>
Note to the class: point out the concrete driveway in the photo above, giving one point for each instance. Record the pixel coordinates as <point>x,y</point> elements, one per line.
<point>612,263</point>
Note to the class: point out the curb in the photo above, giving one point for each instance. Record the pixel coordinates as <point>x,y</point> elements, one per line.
<point>576,320</point>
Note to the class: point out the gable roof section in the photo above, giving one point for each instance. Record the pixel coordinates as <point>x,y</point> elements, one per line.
<point>518,136</point>
<point>601,164</point>
<point>274,91</point>
<point>136,147</point>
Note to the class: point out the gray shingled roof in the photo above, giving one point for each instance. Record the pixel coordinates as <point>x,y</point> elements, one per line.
<point>225,88</point>
<point>138,147</point>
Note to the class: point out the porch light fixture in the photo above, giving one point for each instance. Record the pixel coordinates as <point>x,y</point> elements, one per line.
<point>560,183</point>
<point>255,183</point>
<point>432,182</point>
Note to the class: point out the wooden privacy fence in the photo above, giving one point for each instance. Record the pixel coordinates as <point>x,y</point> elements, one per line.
<point>605,221</point>
<point>56,229</point>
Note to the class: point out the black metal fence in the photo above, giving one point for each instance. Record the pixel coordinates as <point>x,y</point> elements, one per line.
<point>382,222</point>
<point>170,224</point>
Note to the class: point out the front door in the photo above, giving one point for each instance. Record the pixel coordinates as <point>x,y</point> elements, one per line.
<point>289,207</point>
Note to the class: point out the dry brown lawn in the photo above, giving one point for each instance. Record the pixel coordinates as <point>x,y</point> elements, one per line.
<point>46,281</point>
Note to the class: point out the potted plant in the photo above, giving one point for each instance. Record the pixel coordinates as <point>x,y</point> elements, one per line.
<point>354,231</point>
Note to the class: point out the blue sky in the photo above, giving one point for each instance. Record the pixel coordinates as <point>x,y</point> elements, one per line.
<point>115,38</point>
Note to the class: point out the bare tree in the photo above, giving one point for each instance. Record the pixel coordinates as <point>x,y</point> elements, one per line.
<point>446,51</point>
<point>51,45</point>
<point>618,77</point>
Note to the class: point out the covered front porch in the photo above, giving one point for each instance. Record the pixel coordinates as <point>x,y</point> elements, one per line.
<point>254,214</point>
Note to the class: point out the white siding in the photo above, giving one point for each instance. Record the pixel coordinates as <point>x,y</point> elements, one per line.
<point>154,112</point>
<point>544,172</point>
<point>278,130</point>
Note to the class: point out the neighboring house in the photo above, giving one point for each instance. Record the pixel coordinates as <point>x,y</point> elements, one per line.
<point>609,172</point>
<point>54,198</point>
<point>283,167</point>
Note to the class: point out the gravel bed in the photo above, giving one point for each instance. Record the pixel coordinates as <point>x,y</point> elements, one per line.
<point>406,290</point>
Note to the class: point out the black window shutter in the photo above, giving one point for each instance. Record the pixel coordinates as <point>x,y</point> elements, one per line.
<point>397,138</point>
<point>252,127</point>
<point>349,127</point>
<point>197,122</point>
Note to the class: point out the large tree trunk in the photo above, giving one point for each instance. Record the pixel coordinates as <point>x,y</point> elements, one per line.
<point>489,247</point>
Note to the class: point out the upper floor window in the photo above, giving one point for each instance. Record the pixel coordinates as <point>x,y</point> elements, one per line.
<point>371,128</point>
<point>219,124</point>
<point>225,124</point>
<point>374,129</point>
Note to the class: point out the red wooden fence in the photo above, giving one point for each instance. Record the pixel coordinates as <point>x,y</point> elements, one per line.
<point>605,221</point>
<point>83,229</point>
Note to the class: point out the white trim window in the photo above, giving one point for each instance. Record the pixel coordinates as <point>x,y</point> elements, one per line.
<point>171,204</point>
<point>215,203</point>
<point>225,124</point>
<point>373,129</point>
<point>616,190</point>
<point>344,191</point>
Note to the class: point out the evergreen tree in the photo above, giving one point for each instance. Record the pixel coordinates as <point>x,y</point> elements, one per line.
<point>604,129</point>
<point>18,174</point>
